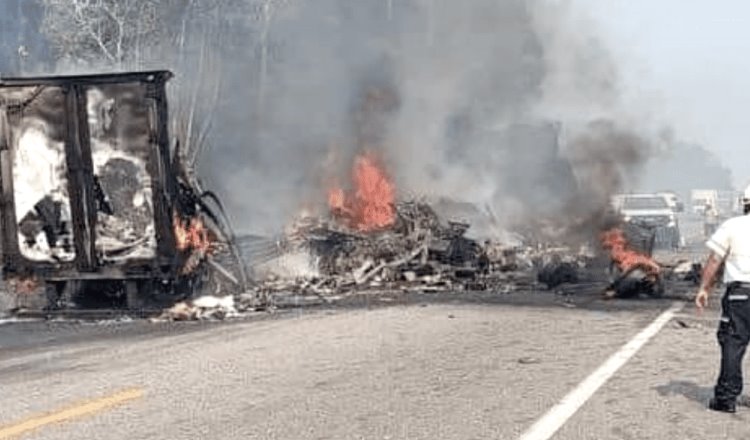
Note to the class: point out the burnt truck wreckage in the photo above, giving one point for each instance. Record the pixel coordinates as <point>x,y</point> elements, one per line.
<point>97,207</point>
<point>370,240</point>
<point>99,211</point>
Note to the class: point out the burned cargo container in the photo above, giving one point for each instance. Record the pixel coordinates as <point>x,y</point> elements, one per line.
<point>95,205</point>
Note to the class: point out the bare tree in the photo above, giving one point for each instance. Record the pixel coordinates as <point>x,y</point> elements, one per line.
<point>265,11</point>
<point>94,30</point>
<point>196,32</point>
<point>132,33</point>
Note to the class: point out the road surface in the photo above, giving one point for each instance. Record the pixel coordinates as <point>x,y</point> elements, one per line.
<point>484,368</point>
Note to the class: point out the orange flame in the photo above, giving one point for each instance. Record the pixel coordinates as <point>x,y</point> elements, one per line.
<point>371,204</point>
<point>625,258</point>
<point>24,285</point>
<point>191,234</point>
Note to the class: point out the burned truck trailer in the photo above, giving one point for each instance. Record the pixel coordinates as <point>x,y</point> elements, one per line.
<point>93,207</point>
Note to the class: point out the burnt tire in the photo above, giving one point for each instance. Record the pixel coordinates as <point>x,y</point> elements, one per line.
<point>135,294</point>
<point>61,294</point>
<point>53,291</point>
<point>657,289</point>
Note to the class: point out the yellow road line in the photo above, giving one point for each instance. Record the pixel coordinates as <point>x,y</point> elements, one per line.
<point>76,411</point>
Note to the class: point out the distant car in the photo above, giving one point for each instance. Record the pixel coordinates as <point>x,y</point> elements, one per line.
<point>652,211</point>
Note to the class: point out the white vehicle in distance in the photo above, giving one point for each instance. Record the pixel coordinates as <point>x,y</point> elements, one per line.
<point>652,211</point>
<point>699,198</point>
<point>673,201</point>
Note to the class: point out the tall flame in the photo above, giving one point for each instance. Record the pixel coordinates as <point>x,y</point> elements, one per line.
<point>625,258</point>
<point>371,203</point>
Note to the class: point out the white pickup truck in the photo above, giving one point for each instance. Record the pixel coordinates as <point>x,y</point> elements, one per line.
<point>652,211</point>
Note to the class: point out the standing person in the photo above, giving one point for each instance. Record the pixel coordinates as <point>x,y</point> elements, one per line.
<point>730,248</point>
<point>711,219</point>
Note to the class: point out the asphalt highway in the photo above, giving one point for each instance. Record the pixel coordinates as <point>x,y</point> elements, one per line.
<point>456,366</point>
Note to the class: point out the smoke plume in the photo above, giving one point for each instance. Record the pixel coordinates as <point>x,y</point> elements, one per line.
<point>509,105</point>
<point>513,106</point>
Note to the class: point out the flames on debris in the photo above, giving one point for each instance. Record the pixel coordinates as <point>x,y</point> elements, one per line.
<point>370,205</point>
<point>191,234</point>
<point>193,238</point>
<point>24,285</point>
<point>626,259</point>
<point>639,273</point>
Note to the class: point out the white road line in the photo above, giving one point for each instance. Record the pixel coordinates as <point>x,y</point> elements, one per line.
<point>555,418</point>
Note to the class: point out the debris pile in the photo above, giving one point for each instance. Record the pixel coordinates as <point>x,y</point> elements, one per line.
<point>202,308</point>
<point>636,272</point>
<point>418,252</point>
<point>370,240</point>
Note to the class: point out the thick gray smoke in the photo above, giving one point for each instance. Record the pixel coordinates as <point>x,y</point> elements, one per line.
<point>604,156</point>
<point>509,105</point>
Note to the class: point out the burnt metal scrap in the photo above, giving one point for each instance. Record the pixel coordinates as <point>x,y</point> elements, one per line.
<point>97,208</point>
<point>634,282</point>
<point>642,276</point>
<point>558,273</point>
<point>419,252</point>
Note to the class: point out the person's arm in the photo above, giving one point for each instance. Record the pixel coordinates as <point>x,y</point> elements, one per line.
<point>708,279</point>
<point>719,244</point>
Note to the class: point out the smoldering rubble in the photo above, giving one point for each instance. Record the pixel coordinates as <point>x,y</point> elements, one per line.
<point>319,261</point>
<point>420,252</point>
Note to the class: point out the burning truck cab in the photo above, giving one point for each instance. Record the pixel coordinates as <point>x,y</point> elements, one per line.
<point>95,205</point>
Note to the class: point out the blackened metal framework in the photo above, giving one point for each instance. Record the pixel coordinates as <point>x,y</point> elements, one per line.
<point>163,171</point>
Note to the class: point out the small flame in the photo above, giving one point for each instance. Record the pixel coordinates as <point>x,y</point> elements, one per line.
<point>625,258</point>
<point>371,204</point>
<point>337,199</point>
<point>191,234</point>
<point>25,285</point>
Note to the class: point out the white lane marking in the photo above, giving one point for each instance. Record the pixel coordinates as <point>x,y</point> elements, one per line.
<point>555,418</point>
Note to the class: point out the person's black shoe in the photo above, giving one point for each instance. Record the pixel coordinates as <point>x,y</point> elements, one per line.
<point>722,405</point>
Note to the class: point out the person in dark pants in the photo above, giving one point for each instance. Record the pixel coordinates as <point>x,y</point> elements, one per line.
<point>730,250</point>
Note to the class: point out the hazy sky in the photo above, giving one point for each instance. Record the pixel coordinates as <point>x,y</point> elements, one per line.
<point>692,59</point>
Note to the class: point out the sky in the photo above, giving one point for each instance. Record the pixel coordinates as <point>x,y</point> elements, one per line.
<point>689,60</point>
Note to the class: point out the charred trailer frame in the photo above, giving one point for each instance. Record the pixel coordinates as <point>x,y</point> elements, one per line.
<point>89,188</point>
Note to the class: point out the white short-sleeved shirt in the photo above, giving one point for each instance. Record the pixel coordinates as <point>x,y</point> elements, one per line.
<point>732,242</point>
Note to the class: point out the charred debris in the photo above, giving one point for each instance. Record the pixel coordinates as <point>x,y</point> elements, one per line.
<point>319,257</point>
<point>420,252</point>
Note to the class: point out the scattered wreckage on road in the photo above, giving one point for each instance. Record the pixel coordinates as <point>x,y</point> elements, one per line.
<point>420,252</point>
<point>97,208</point>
